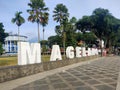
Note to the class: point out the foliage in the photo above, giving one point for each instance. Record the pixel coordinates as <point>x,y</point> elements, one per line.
<point>2,37</point>
<point>70,32</point>
<point>73,20</point>
<point>70,35</point>
<point>60,13</point>
<point>44,42</point>
<point>54,40</point>
<point>84,24</point>
<point>2,33</point>
<point>99,19</point>
<point>38,13</point>
<point>44,45</point>
<point>1,49</point>
<point>19,20</point>
<point>88,38</point>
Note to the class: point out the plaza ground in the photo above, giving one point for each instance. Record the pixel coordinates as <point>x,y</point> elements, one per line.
<point>97,74</point>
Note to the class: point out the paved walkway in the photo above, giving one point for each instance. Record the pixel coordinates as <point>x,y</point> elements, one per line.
<point>101,74</point>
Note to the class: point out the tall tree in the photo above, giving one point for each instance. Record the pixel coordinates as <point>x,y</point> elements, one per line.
<point>44,22</point>
<point>70,31</point>
<point>112,33</point>
<point>19,20</point>
<point>37,12</point>
<point>105,26</point>
<point>61,15</point>
<point>71,35</point>
<point>98,18</point>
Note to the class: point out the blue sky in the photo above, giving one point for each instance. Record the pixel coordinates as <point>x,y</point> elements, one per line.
<point>77,8</point>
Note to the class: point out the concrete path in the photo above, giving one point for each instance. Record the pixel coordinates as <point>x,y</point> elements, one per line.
<point>98,74</point>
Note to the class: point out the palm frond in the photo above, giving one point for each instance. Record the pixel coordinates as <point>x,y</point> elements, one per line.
<point>13,20</point>
<point>18,19</point>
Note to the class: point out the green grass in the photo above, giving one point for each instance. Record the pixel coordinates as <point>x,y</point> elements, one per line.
<point>8,61</point>
<point>45,58</point>
<point>12,60</point>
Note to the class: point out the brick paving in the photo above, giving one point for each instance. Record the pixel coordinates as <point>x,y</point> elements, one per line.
<point>98,75</point>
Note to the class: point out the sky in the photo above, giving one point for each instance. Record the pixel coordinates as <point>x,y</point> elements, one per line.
<point>76,8</point>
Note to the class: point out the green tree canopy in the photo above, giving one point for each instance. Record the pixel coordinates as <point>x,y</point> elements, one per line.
<point>84,24</point>
<point>54,40</point>
<point>88,37</point>
<point>73,20</point>
<point>19,20</point>
<point>60,13</point>
<point>70,31</point>
<point>99,19</point>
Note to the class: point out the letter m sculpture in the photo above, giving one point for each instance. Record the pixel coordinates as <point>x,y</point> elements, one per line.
<point>28,53</point>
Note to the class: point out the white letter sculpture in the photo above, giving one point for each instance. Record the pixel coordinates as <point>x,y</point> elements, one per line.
<point>28,53</point>
<point>56,54</point>
<point>70,52</point>
<point>94,51</point>
<point>89,52</point>
<point>84,52</point>
<point>78,52</point>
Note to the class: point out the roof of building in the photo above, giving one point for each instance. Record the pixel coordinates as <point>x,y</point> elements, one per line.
<point>17,35</point>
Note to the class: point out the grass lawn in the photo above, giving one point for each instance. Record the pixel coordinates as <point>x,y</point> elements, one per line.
<point>12,60</point>
<point>7,61</point>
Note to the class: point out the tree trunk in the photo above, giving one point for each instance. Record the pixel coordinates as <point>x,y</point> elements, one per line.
<point>38,33</point>
<point>43,42</point>
<point>64,39</point>
<point>18,33</point>
<point>106,41</point>
<point>101,47</point>
<point>43,32</point>
<point>110,47</point>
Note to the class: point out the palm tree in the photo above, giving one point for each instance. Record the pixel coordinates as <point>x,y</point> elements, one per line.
<point>19,20</point>
<point>44,22</point>
<point>61,15</point>
<point>37,11</point>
